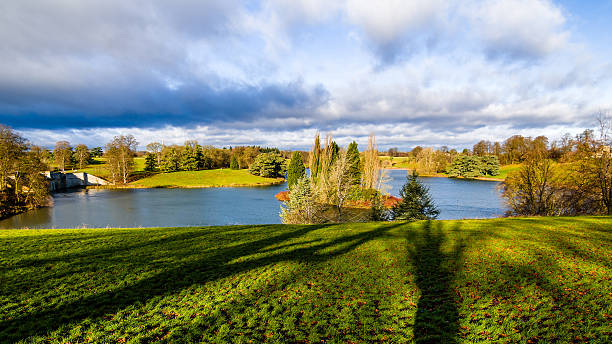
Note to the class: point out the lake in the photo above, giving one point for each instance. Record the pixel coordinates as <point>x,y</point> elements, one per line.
<point>455,198</point>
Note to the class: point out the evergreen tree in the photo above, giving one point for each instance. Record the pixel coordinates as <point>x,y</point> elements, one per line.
<point>302,206</point>
<point>354,163</point>
<point>335,151</point>
<point>190,159</point>
<point>170,161</point>
<point>269,165</point>
<point>234,164</point>
<point>490,165</point>
<point>296,169</point>
<point>416,202</point>
<point>315,159</point>
<point>150,162</point>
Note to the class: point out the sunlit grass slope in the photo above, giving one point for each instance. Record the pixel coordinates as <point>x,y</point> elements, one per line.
<point>502,280</point>
<point>205,178</point>
<point>99,167</point>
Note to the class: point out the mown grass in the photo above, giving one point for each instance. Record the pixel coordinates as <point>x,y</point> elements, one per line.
<point>506,169</point>
<point>98,167</point>
<point>504,280</point>
<point>205,178</point>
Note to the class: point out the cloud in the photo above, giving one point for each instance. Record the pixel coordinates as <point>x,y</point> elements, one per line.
<point>391,25</point>
<point>226,69</point>
<point>528,29</point>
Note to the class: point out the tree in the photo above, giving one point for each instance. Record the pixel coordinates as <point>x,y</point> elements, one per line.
<point>81,153</point>
<point>296,169</point>
<point>339,182</point>
<point>352,153</point>
<point>532,190</point>
<point>315,159</point>
<point>269,165</point>
<point>120,157</point>
<point>96,152</point>
<point>371,165</point>
<point>234,164</point>
<point>62,154</point>
<point>22,185</point>
<point>171,160</point>
<point>150,162</point>
<point>191,157</point>
<point>12,148</point>
<point>31,186</point>
<point>472,166</point>
<point>302,206</point>
<point>156,149</point>
<point>596,164</point>
<point>490,165</point>
<point>416,202</point>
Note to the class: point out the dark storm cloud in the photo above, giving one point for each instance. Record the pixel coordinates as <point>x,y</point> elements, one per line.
<point>152,107</point>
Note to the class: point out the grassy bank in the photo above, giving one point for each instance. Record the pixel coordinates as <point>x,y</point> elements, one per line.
<point>99,168</point>
<point>205,178</point>
<point>501,280</point>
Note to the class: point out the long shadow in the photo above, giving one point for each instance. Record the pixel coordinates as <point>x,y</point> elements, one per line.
<point>119,247</point>
<point>437,318</point>
<point>216,266</point>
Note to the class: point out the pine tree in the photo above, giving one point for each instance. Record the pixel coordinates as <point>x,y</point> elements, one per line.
<point>234,164</point>
<point>355,168</point>
<point>170,161</point>
<point>416,202</point>
<point>296,169</point>
<point>150,162</point>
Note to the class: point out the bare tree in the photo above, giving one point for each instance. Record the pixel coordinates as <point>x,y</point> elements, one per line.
<point>120,157</point>
<point>371,165</point>
<point>82,155</point>
<point>156,148</point>
<point>339,182</point>
<point>62,154</point>
<point>596,165</point>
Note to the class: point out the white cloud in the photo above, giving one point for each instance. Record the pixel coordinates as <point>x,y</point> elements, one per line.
<point>519,28</point>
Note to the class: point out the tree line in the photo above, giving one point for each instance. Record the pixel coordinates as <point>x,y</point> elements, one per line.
<point>193,157</point>
<point>573,178</point>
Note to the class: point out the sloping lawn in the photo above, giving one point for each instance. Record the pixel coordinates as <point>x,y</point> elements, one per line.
<point>205,178</point>
<point>502,280</point>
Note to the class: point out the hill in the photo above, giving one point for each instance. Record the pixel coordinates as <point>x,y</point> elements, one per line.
<point>500,280</point>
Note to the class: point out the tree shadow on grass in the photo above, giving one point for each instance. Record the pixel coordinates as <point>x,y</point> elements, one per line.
<point>217,265</point>
<point>437,318</point>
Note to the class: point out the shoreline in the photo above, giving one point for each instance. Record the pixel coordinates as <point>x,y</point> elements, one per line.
<point>490,179</point>
<point>130,186</point>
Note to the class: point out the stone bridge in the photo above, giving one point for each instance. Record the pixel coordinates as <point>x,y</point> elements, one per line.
<point>60,181</point>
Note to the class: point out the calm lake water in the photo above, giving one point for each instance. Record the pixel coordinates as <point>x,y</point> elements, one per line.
<point>455,198</point>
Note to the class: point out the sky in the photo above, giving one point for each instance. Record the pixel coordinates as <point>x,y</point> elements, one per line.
<point>273,73</point>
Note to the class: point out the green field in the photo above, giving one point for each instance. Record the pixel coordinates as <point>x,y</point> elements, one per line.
<point>98,167</point>
<point>205,178</point>
<point>515,280</point>
<point>506,169</point>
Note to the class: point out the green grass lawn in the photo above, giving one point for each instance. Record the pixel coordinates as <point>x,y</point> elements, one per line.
<point>98,168</point>
<point>513,280</point>
<point>506,169</point>
<point>205,178</point>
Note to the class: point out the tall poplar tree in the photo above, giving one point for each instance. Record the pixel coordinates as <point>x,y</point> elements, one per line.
<point>315,158</point>
<point>354,163</point>
<point>296,169</point>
